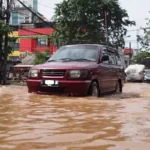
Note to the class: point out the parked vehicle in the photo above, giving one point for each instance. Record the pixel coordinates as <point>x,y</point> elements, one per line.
<point>86,69</point>
<point>135,72</point>
<point>147,75</point>
<point>19,72</point>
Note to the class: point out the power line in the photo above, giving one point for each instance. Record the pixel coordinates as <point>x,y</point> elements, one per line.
<point>45,5</point>
<point>142,28</point>
<point>14,10</point>
<point>104,31</point>
<point>131,41</point>
<point>30,31</point>
<point>51,25</point>
<point>39,33</point>
<point>21,14</point>
<point>46,22</point>
<point>36,15</point>
<point>53,8</point>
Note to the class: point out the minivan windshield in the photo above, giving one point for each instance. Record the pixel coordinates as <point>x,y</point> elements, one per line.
<point>75,53</point>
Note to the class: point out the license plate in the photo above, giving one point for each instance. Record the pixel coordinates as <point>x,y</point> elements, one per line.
<point>51,82</point>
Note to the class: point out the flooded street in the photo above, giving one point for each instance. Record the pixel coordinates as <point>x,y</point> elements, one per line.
<point>112,122</point>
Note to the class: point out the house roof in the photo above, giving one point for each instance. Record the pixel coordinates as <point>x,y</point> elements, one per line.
<point>29,60</point>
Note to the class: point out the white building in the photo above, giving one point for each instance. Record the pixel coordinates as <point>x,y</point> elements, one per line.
<point>21,15</point>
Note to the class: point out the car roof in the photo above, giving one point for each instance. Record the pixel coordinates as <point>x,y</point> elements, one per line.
<point>98,45</point>
<point>84,45</point>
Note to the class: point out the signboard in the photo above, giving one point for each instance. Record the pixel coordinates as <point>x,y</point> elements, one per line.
<point>128,51</point>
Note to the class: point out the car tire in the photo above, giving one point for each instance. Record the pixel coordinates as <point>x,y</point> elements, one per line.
<point>118,88</point>
<point>94,90</point>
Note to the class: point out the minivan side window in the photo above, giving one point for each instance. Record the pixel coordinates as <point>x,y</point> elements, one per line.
<point>118,60</point>
<point>112,59</point>
<point>105,52</point>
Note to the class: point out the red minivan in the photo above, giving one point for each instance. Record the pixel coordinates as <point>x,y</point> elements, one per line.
<point>78,70</point>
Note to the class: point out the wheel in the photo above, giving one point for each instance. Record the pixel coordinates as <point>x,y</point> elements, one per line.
<point>118,88</point>
<point>94,90</point>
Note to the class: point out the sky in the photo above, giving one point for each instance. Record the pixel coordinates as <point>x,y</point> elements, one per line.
<point>138,10</point>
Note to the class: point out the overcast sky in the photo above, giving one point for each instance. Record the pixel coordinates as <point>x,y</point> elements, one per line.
<point>138,10</point>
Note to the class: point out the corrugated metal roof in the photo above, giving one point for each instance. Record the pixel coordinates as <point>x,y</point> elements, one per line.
<point>29,60</point>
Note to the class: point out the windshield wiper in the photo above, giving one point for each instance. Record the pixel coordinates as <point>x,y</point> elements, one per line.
<point>69,59</point>
<point>82,59</point>
<point>66,59</point>
<point>51,60</point>
<point>63,59</point>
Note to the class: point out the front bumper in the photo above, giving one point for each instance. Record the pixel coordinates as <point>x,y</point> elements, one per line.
<point>69,87</point>
<point>146,78</point>
<point>134,78</point>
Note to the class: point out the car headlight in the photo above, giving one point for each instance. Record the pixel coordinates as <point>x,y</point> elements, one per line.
<point>78,73</point>
<point>33,73</point>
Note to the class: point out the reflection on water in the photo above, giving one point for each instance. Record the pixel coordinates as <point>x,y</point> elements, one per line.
<point>29,121</point>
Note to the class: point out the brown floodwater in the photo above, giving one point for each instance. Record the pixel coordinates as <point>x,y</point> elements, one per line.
<point>39,122</point>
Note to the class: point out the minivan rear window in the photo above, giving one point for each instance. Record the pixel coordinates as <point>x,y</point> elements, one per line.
<point>78,52</point>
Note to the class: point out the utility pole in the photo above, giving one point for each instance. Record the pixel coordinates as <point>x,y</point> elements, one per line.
<point>106,30</point>
<point>130,53</point>
<point>6,42</point>
<point>1,4</point>
<point>137,41</point>
<point>1,41</point>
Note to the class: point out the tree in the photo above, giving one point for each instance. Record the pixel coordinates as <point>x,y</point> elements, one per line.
<point>145,39</point>
<point>4,29</point>
<point>142,58</point>
<point>80,21</point>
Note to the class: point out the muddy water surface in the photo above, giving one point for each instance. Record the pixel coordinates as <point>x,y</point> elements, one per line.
<point>112,122</point>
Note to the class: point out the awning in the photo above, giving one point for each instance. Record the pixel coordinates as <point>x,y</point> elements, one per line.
<point>36,37</point>
<point>15,53</point>
<point>22,67</point>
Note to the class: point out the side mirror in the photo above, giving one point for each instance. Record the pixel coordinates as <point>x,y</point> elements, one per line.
<point>48,57</point>
<point>105,58</point>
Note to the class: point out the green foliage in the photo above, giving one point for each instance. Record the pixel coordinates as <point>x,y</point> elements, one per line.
<point>142,58</point>
<point>145,39</point>
<point>40,57</point>
<point>80,21</point>
<point>5,29</point>
<point>47,51</point>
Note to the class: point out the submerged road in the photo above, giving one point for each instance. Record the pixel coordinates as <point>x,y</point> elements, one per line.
<point>111,122</point>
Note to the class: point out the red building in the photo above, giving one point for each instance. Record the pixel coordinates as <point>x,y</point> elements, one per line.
<point>34,39</point>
